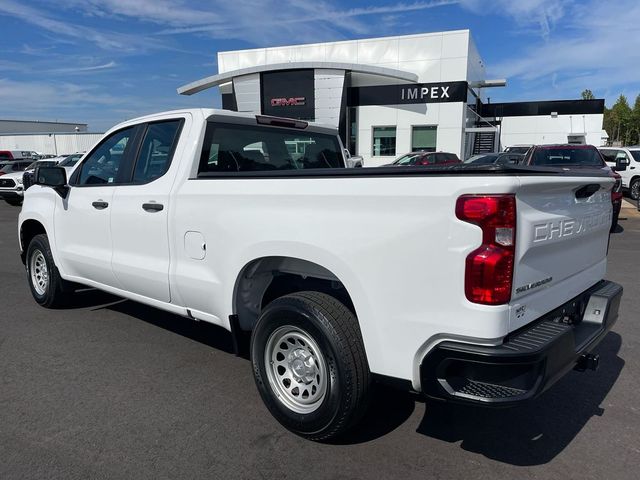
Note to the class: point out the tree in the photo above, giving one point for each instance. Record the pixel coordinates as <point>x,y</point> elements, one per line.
<point>621,119</point>
<point>634,124</point>
<point>587,95</point>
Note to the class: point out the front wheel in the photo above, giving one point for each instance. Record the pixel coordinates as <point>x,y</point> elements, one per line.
<point>634,189</point>
<point>47,287</point>
<point>309,364</point>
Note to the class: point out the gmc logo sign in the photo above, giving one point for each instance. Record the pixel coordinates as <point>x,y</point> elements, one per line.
<point>288,102</point>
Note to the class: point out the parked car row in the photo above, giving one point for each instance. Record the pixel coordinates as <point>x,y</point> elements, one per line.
<point>630,176</point>
<point>15,175</point>
<point>565,156</point>
<point>424,158</point>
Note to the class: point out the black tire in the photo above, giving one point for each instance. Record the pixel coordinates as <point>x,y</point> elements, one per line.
<point>14,201</point>
<point>335,331</point>
<point>54,293</point>
<point>634,189</point>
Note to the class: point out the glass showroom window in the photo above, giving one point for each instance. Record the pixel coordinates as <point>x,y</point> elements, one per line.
<point>384,141</point>
<point>423,138</point>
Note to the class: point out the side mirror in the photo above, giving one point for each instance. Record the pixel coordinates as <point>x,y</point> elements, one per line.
<point>621,164</point>
<point>54,177</point>
<point>347,154</point>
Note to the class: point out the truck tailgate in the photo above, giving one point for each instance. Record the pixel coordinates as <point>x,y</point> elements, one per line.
<point>562,240</point>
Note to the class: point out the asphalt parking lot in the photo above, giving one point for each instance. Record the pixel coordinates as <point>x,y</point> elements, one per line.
<point>113,389</point>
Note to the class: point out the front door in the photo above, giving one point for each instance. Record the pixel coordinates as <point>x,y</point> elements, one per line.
<point>82,221</point>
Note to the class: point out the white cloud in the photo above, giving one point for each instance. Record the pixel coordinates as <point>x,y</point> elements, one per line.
<point>93,68</point>
<point>166,12</point>
<point>107,40</point>
<point>296,21</point>
<point>544,14</point>
<point>582,44</point>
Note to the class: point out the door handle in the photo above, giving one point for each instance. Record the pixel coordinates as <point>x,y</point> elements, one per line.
<point>152,207</point>
<point>100,205</point>
<point>632,168</point>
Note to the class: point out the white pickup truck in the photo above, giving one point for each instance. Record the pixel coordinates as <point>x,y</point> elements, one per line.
<point>481,285</point>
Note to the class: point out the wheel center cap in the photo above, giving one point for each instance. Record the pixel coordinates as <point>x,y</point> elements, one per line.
<point>302,365</point>
<point>298,367</point>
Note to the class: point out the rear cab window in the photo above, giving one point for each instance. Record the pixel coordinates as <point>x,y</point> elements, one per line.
<point>567,156</point>
<point>253,148</point>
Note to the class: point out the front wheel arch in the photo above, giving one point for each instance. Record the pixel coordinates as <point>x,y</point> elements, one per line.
<point>28,230</point>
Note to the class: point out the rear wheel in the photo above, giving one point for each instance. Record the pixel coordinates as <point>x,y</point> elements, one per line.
<point>634,189</point>
<point>309,364</point>
<point>47,287</point>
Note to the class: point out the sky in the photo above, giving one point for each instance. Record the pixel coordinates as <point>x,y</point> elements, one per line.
<point>103,61</point>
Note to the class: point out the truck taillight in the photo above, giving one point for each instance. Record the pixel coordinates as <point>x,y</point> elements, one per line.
<point>489,268</point>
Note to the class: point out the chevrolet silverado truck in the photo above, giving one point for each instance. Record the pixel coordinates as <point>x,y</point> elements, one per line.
<point>475,284</point>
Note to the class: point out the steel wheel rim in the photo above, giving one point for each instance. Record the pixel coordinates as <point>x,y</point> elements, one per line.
<point>296,369</point>
<point>39,272</point>
<point>635,190</point>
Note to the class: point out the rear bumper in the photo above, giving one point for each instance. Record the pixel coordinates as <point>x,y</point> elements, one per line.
<point>530,360</point>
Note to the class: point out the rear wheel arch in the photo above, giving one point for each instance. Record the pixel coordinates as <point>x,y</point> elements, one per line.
<point>264,279</point>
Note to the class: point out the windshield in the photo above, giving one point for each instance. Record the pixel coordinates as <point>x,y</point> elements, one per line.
<point>517,149</point>
<point>636,155</point>
<point>70,161</point>
<point>482,159</point>
<point>408,159</point>
<point>567,156</point>
<point>33,165</point>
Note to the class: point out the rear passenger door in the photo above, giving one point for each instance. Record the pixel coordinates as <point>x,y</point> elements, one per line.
<point>139,217</point>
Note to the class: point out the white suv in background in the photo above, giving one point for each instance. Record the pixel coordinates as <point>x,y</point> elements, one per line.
<point>630,176</point>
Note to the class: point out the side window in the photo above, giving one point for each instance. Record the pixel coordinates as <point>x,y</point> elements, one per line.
<point>156,151</point>
<point>249,148</point>
<point>610,155</point>
<point>101,166</point>
<point>440,158</point>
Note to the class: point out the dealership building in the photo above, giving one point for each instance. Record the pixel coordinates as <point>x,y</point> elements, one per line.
<point>388,96</point>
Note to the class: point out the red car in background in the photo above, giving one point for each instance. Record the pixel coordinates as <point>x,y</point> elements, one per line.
<point>424,158</point>
<point>577,156</point>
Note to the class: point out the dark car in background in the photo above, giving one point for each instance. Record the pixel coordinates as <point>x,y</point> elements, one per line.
<point>503,158</point>
<point>14,166</point>
<point>571,157</point>
<point>424,158</point>
<point>521,149</point>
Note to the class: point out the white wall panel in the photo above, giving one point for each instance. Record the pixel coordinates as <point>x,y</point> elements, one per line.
<point>453,69</point>
<point>424,47</point>
<point>428,71</point>
<point>328,95</point>
<point>281,55</point>
<point>378,52</point>
<point>56,144</point>
<point>247,90</point>
<point>345,52</point>
<point>544,129</point>
<point>251,58</point>
<point>455,44</point>
<point>310,53</point>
